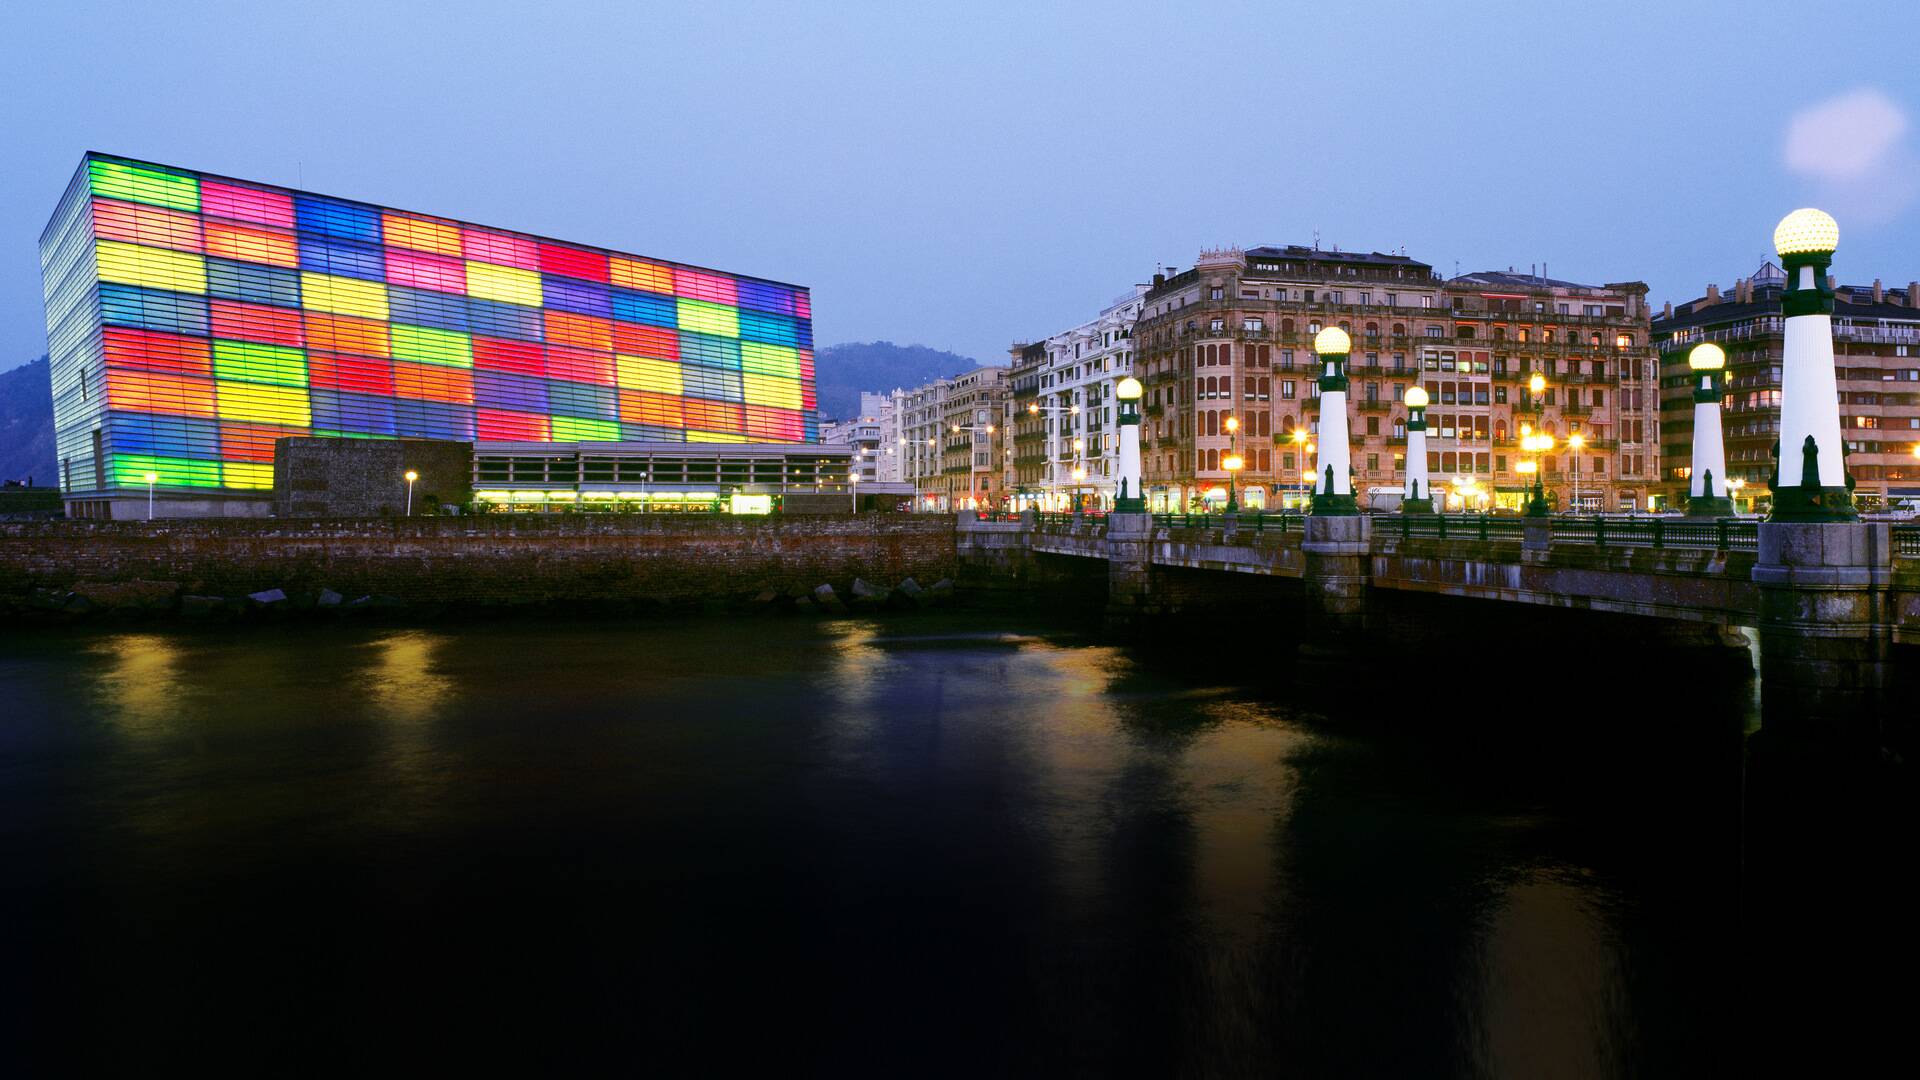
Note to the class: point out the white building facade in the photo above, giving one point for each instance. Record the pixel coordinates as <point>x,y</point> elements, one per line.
<point>1078,413</point>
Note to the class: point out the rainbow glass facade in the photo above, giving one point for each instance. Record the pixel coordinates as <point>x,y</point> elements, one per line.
<point>193,319</point>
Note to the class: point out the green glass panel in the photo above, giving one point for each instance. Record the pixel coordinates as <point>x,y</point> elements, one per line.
<point>252,361</point>
<point>580,429</point>
<point>425,345</point>
<point>130,470</point>
<point>143,183</point>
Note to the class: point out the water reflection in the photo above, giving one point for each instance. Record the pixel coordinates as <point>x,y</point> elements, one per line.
<point>1030,851</point>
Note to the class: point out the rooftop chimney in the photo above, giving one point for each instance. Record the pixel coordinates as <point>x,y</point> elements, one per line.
<point>1667,312</point>
<point>1712,297</point>
<point>1879,293</point>
<point>1913,294</point>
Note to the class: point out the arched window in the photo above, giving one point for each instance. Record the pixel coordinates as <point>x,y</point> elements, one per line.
<point>1286,326</point>
<point>1286,424</point>
<point>1313,327</point>
<point>1399,329</point>
<point>1499,333</point>
<point>1373,330</point>
<point>1596,340</point>
<point>1500,429</point>
<point>1463,331</point>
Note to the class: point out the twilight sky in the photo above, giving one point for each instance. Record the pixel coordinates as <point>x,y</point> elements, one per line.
<point>970,174</point>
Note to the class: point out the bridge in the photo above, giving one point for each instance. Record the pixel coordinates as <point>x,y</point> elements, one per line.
<point>1832,603</point>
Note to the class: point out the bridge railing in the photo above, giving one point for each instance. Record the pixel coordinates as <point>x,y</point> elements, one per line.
<point>1256,521</point>
<point>1455,526</point>
<point>1723,534</point>
<point>1906,541</point>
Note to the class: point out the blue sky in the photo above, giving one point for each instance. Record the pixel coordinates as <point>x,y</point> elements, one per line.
<point>967,175</point>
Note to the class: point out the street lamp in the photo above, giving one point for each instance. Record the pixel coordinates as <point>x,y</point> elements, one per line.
<point>1811,482</point>
<point>1575,443</point>
<point>152,478</point>
<point>1233,455</point>
<point>1336,498</point>
<point>1034,408</point>
<point>853,488</point>
<point>411,477</point>
<point>1417,496</point>
<point>1131,494</point>
<point>1300,443</point>
<point>1707,480</point>
<point>1536,445</point>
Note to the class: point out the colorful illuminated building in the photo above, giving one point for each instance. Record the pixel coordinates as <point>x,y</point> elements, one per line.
<point>193,319</point>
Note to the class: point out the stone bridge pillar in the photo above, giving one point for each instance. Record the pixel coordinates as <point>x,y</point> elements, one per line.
<point>1339,565</point>
<point>1826,634</point>
<point>1129,566</point>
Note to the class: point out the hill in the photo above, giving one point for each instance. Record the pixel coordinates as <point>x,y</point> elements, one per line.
<point>841,372</point>
<point>26,424</point>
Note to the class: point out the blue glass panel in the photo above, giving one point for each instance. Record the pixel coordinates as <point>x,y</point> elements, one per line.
<point>424,307</point>
<point>709,350</point>
<point>644,308</point>
<point>772,329</point>
<point>572,294</point>
<point>348,258</point>
<point>335,218</point>
<point>361,414</point>
<point>495,318</point>
<point>582,399</point>
<point>153,309</point>
<point>432,419</point>
<point>765,296</point>
<point>182,436</point>
<point>256,284</point>
<point>508,390</point>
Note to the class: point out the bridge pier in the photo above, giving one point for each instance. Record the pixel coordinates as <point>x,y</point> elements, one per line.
<point>1826,635</point>
<point>1338,553</point>
<point>1129,567</point>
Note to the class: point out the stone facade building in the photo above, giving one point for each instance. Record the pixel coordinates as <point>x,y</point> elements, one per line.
<point>950,439</point>
<point>1073,443</point>
<point>1231,339</point>
<point>1876,347</point>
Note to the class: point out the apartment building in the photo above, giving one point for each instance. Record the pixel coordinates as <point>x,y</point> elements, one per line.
<point>876,455</point>
<point>971,471</point>
<point>1225,351</point>
<point>1876,355</point>
<point>1072,443</point>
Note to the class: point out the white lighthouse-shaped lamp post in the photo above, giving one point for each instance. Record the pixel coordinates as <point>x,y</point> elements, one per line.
<point>1417,498</point>
<point>1333,480</point>
<point>1810,477</point>
<point>1129,498</point>
<point>1707,484</point>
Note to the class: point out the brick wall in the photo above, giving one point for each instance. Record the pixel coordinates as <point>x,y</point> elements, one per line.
<point>503,558</point>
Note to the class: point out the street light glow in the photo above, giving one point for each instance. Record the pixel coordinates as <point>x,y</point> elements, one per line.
<point>1128,389</point>
<point>1537,383</point>
<point>1416,397</point>
<point>1707,357</point>
<point>1806,231</point>
<point>1332,340</point>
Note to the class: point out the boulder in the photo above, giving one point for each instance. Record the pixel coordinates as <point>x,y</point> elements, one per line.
<point>269,597</point>
<point>828,600</point>
<point>329,599</point>
<point>805,606</point>
<point>941,592</point>
<point>201,607</point>
<point>865,595</point>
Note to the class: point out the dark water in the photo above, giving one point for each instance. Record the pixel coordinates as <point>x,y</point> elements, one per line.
<point>931,846</point>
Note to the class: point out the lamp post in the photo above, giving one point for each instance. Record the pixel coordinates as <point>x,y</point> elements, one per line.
<point>1053,414</point>
<point>1576,442</point>
<point>1536,445</point>
<point>1810,481</point>
<point>1733,492</point>
<point>1233,454</point>
<point>1300,445</point>
<point>152,478</point>
<point>1417,496</point>
<point>1707,481</point>
<point>1131,496</point>
<point>853,488</point>
<point>1333,493</point>
<point>411,477</point>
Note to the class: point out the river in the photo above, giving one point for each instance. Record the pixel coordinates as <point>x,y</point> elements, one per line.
<point>940,844</point>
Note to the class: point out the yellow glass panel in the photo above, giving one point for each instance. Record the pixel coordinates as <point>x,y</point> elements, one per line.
<point>770,390</point>
<point>715,436</point>
<point>152,268</point>
<point>515,286</point>
<point>263,404</point>
<point>646,373</point>
<point>343,295</point>
<point>717,319</point>
<point>247,474</point>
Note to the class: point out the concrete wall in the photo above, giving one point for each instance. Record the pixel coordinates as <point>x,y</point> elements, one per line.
<point>342,478</point>
<point>490,559</point>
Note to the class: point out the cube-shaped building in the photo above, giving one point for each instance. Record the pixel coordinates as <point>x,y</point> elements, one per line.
<point>193,319</point>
